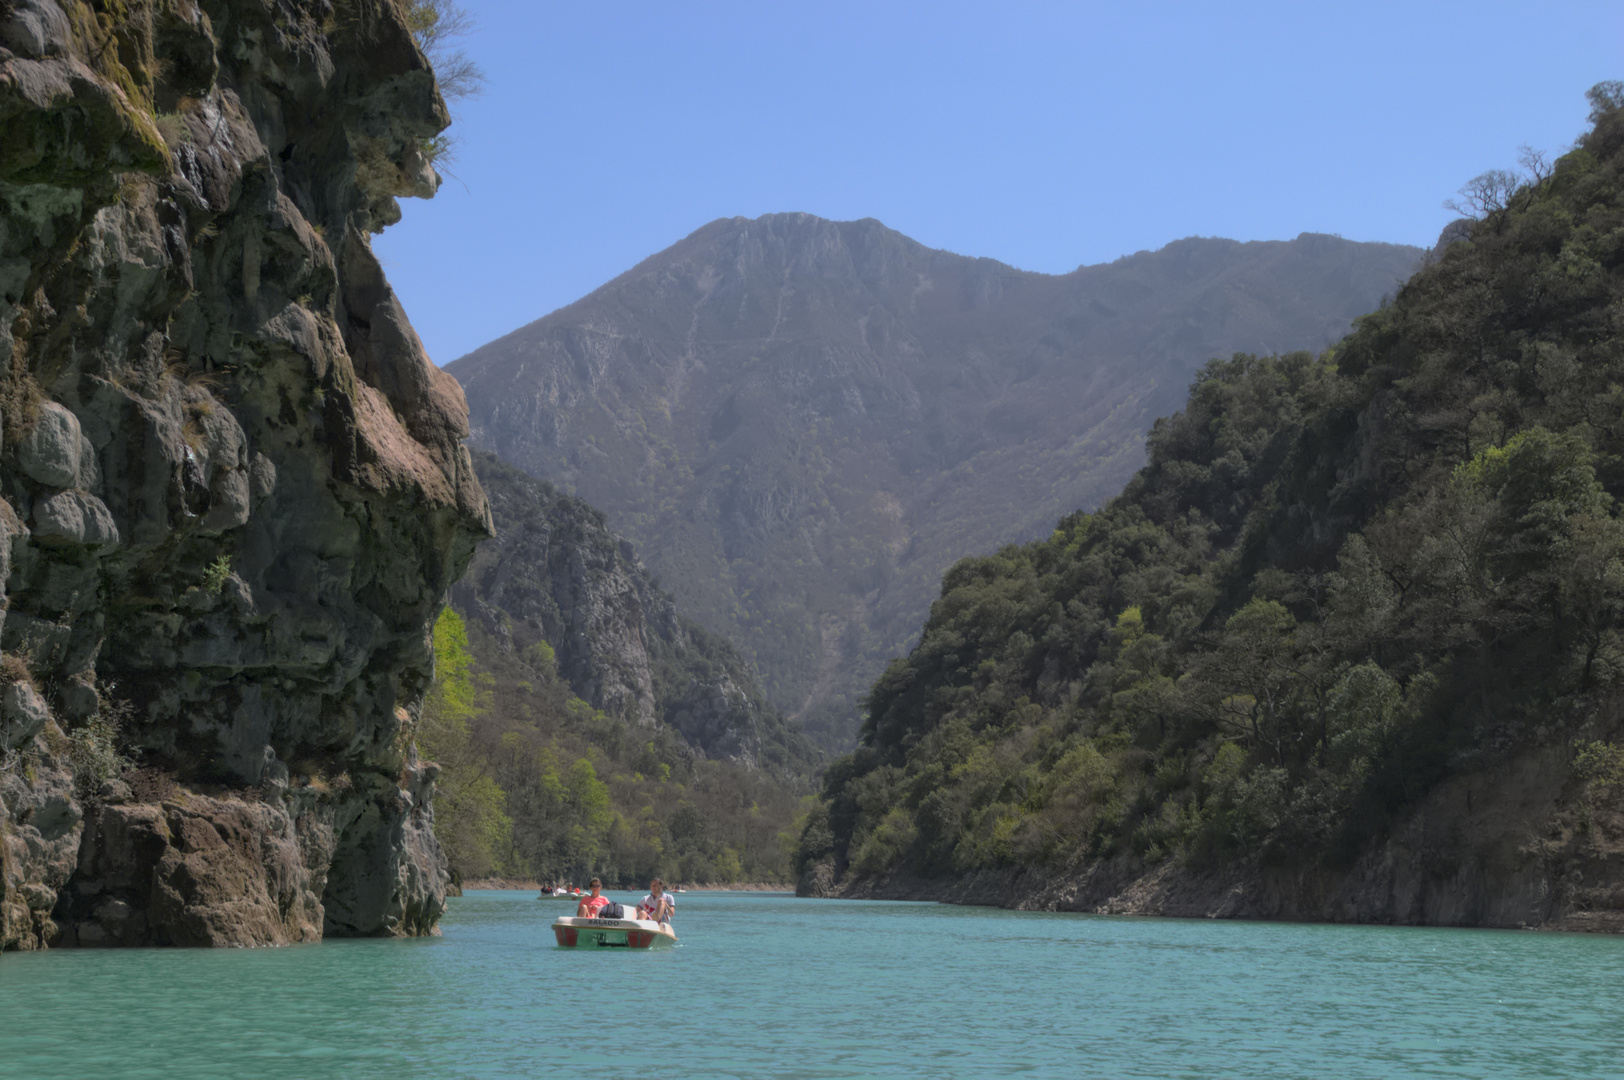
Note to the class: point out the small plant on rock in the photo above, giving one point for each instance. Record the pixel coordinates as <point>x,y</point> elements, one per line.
<point>95,747</point>
<point>214,576</point>
<point>436,24</point>
<point>173,129</point>
<point>1600,763</point>
<point>14,669</point>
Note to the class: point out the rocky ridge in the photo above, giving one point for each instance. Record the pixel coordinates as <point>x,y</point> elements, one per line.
<point>235,493</point>
<point>555,573</point>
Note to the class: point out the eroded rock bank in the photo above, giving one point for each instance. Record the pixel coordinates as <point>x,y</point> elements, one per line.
<point>234,487</point>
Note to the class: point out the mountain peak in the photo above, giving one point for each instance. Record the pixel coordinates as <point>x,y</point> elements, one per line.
<point>802,422</point>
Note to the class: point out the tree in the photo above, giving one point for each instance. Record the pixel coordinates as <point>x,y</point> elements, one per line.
<point>1605,98</point>
<point>1254,663</point>
<point>470,807</point>
<point>437,24</point>
<point>1484,194</point>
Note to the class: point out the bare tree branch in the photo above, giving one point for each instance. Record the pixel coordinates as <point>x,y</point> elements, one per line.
<point>436,24</point>
<point>1535,164</point>
<point>1485,194</point>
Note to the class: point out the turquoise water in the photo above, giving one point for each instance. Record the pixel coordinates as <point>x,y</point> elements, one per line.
<point>767,985</point>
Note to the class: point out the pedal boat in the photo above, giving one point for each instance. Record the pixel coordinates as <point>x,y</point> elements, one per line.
<point>576,933</point>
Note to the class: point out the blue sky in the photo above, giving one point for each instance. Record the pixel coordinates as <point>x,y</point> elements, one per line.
<point>1045,135</point>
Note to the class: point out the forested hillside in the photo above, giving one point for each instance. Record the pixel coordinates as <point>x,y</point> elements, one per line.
<point>803,423</point>
<point>1347,647</point>
<point>585,727</point>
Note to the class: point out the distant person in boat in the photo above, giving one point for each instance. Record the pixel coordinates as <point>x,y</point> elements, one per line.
<point>589,906</point>
<point>657,905</point>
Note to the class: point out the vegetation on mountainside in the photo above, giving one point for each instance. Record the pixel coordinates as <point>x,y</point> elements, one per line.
<point>556,575</point>
<point>1337,581</point>
<point>537,783</point>
<point>639,745</point>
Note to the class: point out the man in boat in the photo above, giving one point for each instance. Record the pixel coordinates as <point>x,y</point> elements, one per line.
<point>657,906</point>
<point>589,906</point>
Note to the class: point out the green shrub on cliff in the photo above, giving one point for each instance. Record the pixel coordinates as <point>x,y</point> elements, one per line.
<point>1339,580</point>
<point>436,25</point>
<point>1600,763</point>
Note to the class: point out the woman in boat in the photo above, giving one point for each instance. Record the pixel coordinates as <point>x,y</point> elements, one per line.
<point>657,906</point>
<point>589,906</point>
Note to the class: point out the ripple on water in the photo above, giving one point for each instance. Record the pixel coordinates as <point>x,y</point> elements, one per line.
<point>769,985</point>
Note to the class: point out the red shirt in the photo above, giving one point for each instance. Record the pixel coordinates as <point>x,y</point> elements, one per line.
<point>593,905</point>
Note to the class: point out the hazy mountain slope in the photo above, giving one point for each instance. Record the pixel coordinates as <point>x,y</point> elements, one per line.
<point>1350,646</point>
<point>554,572</point>
<point>584,727</point>
<point>802,422</point>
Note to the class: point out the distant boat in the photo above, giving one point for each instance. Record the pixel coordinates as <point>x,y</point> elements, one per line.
<point>574,933</point>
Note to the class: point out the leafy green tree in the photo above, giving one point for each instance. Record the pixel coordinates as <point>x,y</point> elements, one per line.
<point>470,810</point>
<point>536,782</point>
<point>1254,668</point>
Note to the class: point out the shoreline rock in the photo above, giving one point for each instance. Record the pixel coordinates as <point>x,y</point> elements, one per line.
<point>1534,860</point>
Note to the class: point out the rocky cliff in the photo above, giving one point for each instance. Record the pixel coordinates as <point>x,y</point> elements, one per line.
<point>235,493</point>
<point>555,573</point>
<point>801,423</point>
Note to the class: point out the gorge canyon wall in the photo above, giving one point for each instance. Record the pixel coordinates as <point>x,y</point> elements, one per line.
<point>235,491</point>
<point>555,572</point>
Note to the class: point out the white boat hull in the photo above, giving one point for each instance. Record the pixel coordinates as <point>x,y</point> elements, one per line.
<point>574,933</point>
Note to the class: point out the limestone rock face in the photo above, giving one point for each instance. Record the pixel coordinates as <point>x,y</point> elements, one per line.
<point>203,872</point>
<point>50,452</point>
<point>36,28</point>
<point>39,841</point>
<point>233,491</point>
<point>23,715</point>
<point>75,517</point>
